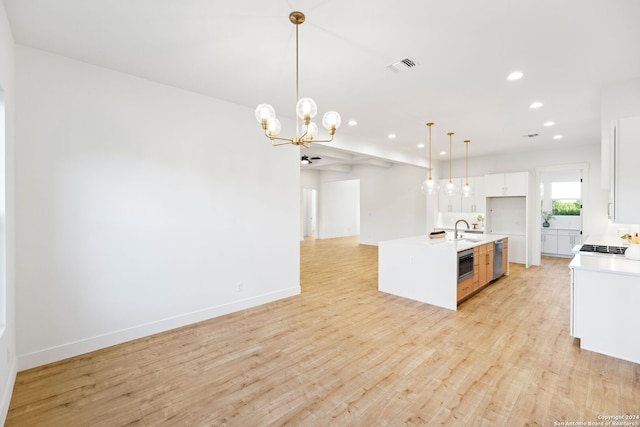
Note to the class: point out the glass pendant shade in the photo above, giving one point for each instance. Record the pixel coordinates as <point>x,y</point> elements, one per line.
<point>451,188</point>
<point>312,131</point>
<point>306,109</point>
<point>429,186</point>
<point>331,120</point>
<point>265,111</point>
<point>466,190</point>
<point>274,127</point>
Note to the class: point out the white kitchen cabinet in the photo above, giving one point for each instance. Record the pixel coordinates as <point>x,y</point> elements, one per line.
<point>559,241</point>
<point>476,201</point>
<point>604,307</point>
<point>549,241</point>
<point>506,184</point>
<point>567,239</point>
<point>624,207</point>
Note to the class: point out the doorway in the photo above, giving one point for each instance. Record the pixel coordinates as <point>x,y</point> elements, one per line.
<point>309,212</point>
<point>561,200</point>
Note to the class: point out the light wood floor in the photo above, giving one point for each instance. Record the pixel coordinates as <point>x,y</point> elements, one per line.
<point>343,354</point>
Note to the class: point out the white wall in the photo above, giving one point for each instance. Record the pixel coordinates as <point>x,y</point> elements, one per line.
<point>391,203</point>
<point>340,209</point>
<point>141,207</point>
<point>8,366</point>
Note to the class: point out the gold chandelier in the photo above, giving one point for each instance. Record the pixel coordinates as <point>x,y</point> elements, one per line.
<point>306,109</point>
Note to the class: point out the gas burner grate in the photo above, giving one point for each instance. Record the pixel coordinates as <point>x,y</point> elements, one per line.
<point>603,249</point>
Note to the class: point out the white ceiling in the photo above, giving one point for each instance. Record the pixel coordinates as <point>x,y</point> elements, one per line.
<point>243,52</point>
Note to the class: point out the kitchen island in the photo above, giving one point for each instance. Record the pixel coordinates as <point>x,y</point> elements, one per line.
<point>605,295</point>
<point>426,270</point>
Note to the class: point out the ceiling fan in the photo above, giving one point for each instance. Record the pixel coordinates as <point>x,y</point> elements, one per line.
<point>306,160</point>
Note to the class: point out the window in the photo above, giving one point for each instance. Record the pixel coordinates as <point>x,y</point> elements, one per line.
<point>566,198</point>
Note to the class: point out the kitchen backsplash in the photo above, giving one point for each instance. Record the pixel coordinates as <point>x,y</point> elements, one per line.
<point>448,220</point>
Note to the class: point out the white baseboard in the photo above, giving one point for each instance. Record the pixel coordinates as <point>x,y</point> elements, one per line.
<point>7,393</point>
<point>368,242</point>
<point>64,351</point>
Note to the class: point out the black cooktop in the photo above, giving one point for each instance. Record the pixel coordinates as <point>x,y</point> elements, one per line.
<point>602,249</point>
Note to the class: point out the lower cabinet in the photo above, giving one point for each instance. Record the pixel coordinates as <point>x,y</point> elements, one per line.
<point>483,258</point>
<point>465,288</point>
<point>559,241</point>
<point>485,255</point>
<point>505,256</point>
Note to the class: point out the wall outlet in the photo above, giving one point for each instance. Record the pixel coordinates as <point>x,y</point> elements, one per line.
<point>240,286</point>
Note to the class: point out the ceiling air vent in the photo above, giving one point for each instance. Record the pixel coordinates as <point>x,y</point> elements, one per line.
<point>402,65</point>
<point>530,135</point>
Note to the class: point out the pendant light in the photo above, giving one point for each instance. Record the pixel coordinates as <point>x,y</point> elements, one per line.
<point>429,186</point>
<point>466,190</point>
<point>451,188</point>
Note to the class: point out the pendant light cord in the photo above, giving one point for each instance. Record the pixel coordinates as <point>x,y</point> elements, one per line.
<point>429,126</point>
<point>450,149</point>
<point>466,167</point>
<point>297,94</point>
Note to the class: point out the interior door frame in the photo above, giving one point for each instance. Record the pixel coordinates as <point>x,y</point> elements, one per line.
<point>539,171</point>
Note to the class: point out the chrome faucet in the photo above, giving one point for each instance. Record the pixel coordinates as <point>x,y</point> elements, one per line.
<point>455,236</point>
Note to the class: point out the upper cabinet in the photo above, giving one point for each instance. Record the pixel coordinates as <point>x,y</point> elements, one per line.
<point>475,202</point>
<point>506,184</point>
<point>458,202</point>
<point>624,200</point>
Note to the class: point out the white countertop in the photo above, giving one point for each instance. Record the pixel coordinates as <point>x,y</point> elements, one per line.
<point>448,243</point>
<point>606,264</point>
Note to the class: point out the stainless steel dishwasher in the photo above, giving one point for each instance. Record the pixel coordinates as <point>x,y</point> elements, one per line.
<point>497,259</point>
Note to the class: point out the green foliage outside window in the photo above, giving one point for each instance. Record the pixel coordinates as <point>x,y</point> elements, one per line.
<point>568,208</point>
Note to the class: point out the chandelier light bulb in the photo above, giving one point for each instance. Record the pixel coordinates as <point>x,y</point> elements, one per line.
<point>306,109</point>
<point>264,114</point>
<point>331,121</point>
<point>312,131</point>
<point>274,127</point>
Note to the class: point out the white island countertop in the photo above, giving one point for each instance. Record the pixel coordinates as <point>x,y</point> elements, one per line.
<point>471,240</point>
<point>425,269</point>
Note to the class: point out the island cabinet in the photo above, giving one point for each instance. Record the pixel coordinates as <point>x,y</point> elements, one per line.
<point>482,271</point>
<point>427,270</point>
<point>465,288</point>
<point>486,263</point>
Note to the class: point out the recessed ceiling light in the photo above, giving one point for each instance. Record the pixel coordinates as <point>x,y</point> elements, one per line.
<point>443,153</point>
<point>535,105</point>
<point>392,135</point>
<point>547,124</point>
<point>516,75</point>
<point>557,137</point>
<point>420,145</point>
<point>352,123</point>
